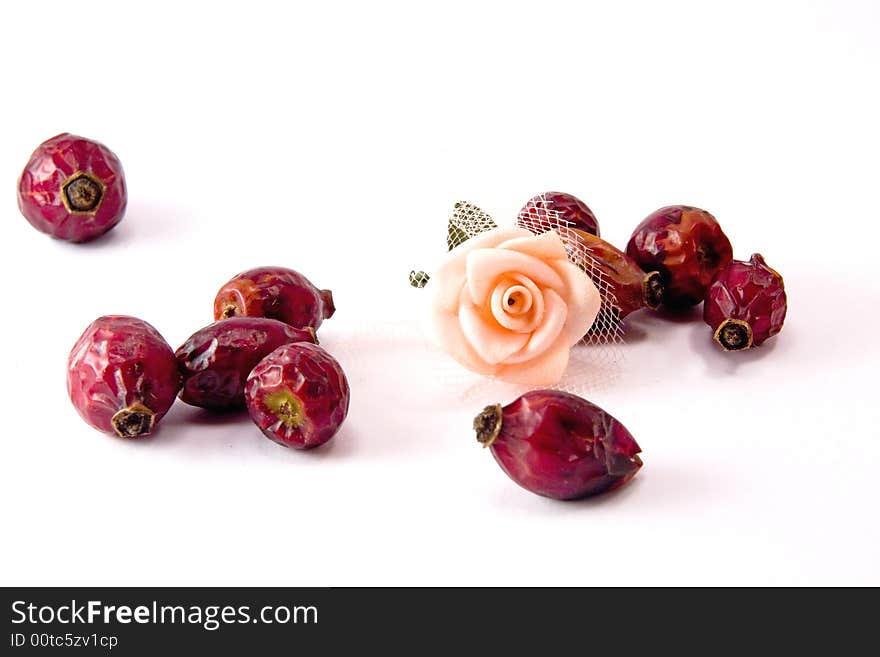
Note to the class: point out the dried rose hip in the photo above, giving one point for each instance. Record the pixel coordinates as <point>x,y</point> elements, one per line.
<point>216,360</point>
<point>72,188</point>
<point>745,304</point>
<point>122,376</point>
<point>686,245</point>
<point>559,445</point>
<point>573,211</point>
<point>298,395</point>
<point>277,293</point>
<point>633,289</point>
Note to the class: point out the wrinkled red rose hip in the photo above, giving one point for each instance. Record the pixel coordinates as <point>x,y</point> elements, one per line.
<point>573,211</point>
<point>72,188</point>
<point>559,445</point>
<point>745,304</point>
<point>298,395</point>
<point>122,376</point>
<point>276,293</point>
<point>686,245</point>
<point>216,360</point>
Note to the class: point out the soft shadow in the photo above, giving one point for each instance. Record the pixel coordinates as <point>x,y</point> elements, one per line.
<point>144,223</point>
<point>182,413</point>
<point>341,446</point>
<point>658,487</point>
<point>633,332</point>
<point>684,315</point>
<point>108,239</point>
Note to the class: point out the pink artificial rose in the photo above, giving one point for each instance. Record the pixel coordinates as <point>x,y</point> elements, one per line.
<point>510,304</point>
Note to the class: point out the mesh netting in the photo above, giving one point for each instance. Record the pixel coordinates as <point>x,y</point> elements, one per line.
<point>537,217</point>
<point>467,220</point>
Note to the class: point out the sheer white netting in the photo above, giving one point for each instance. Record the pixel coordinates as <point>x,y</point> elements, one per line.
<point>595,360</point>
<point>538,217</point>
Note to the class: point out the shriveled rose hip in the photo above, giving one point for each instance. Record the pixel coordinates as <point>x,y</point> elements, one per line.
<point>72,188</point>
<point>298,395</point>
<point>686,245</point>
<point>559,445</point>
<point>276,293</point>
<point>632,287</point>
<point>216,360</point>
<point>573,212</point>
<point>122,376</point>
<point>745,304</point>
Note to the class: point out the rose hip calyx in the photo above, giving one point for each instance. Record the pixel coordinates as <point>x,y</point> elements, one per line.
<point>82,193</point>
<point>488,424</point>
<point>734,335</point>
<point>133,421</point>
<point>652,289</point>
<point>286,406</point>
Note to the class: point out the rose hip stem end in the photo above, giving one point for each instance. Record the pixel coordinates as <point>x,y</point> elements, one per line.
<point>653,288</point>
<point>734,335</point>
<point>488,424</point>
<point>286,406</point>
<point>134,421</point>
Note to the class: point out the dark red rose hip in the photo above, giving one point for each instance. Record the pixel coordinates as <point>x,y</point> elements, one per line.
<point>745,304</point>
<point>72,188</point>
<point>217,359</point>
<point>686,245</point>
<point>573,212</point>
<point>122,376</point>
<point>276,293</point>
<point>559,445</point>
<point>298,395</point>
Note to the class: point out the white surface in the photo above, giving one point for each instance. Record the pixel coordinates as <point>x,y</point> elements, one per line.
<point>334,139</point>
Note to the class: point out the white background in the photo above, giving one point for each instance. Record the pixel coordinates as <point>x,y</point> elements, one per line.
<point>334,138</point>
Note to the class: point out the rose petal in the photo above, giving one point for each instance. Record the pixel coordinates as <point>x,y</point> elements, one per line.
<point>445,330</point>
<point>447,279</point>
<point>491,342</point>
<point>545,370</point>
<point>546,246</point>
<point>484,266</point>
<point>582,299</point>
<point>524,323</point>
<point>549,331</point>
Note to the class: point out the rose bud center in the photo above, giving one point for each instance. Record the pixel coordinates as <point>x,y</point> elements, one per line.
<point>517,300</point>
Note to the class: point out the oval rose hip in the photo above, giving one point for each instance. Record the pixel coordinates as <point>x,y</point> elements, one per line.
<point>72,188</point>
<point>122,376</point>
<point>298,395</point>
<point>216,360</point>
<point>559,445</point>
<point>276,293</point>
<point>686,245</point>
<point>745,304</point>
<point>573,212</point>
<point>632,287</point>
<point>509,304</point>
